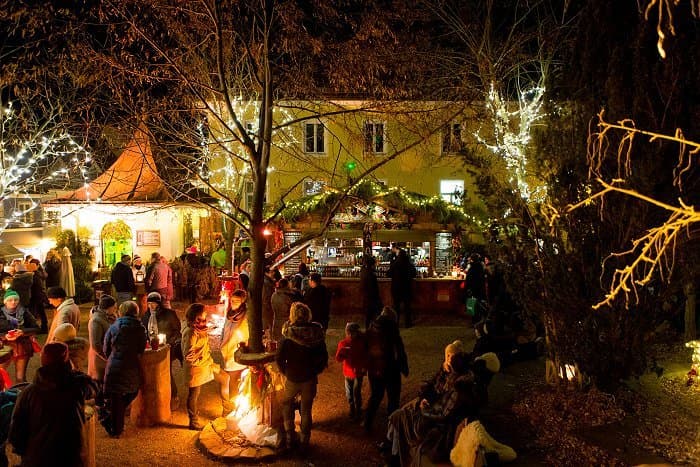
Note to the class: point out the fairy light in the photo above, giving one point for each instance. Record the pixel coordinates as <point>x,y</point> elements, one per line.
<point>373,192</point>
<point>511,133</point>
<point>32,161</point>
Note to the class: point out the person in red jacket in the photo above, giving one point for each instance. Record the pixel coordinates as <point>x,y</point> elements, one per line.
<point>352,351</point>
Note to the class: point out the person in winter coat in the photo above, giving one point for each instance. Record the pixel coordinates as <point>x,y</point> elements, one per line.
<point>22,281</point>
<point>199,365</point>
<point>15,319</point>
<point>160,279</point>
<point>101,318</point>
<point>369,289</point>
<point>476,276</point>
<point>387,361</point>
<point>426,425</point>
<point>52,266</point>
<point>38,300</point>
<point>352,351</point>
<point>301,357</point>
<point>77,346</point>
<point>49,417</point>
<point>122,278</point>
<point>124,343</point>
<point>282,301</point>
<point>66,311</point>
<point>138,269</point>
<point>301,279</point>
<point>235,331</point>
<point>402,273</point>
<point>318,299</point>
<point>169,324</point>
<point>268,316</point>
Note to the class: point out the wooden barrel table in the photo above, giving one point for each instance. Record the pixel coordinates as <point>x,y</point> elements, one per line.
<point>152,404</point>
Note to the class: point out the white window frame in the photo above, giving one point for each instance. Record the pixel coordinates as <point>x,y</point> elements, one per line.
<point>252,132</point>
<point>313,187</point>
<point>452,190</point>
<point>319,129</point>
<point>452,141</point>
<point>248,189</point>
<point>52,217</point>
<point>369,136</point>
<point>28,209</point>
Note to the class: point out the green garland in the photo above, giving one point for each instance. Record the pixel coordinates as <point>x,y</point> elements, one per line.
<point>395,198</point>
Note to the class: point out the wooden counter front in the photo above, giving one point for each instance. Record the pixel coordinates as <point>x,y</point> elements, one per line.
<point>429,295</point>
<point>152,404</point>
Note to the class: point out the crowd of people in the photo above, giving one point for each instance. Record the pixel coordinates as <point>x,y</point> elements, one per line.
<point>296,314</point>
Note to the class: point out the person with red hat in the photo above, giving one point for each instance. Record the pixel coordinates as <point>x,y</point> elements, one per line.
<point>49,416</point>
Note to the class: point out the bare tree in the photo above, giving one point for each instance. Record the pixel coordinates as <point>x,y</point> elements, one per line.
<point>242,77</point>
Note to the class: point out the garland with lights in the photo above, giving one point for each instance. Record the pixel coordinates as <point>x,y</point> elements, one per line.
<point>394,198</point>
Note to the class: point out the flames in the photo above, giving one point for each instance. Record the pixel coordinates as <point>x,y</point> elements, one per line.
<point>249,402</point>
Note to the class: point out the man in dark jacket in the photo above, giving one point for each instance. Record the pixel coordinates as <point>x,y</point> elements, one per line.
<point>402,272</point>
<point>386,362</point>
<point>318,299</point>
<point>302,355</point>
<point>122,279</point>
<point>124,342</point>
<point>369,289</point>
<point>282,301</point>
<point>169,324</point>
<point>47,423</point>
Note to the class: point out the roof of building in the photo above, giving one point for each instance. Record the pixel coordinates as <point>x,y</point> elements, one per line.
<point>132,178</point>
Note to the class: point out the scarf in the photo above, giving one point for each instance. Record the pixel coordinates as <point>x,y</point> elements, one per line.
<point>18,315</point>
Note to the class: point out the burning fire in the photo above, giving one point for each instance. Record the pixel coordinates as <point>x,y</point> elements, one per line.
<point>248,403</point>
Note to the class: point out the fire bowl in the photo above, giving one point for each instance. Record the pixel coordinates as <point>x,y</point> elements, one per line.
<point>220,442</point>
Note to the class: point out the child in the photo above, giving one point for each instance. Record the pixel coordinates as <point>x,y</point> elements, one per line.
<point>199,366</point>
<point>235,331</point>
<point>352,351</point>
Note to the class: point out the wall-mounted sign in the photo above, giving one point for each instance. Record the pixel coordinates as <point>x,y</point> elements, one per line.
<point>148,238</point>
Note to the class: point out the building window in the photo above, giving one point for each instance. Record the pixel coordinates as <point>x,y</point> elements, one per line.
<point>252,130</point>
<point>314,138</point>
<point>25,212</point>
<point>249,190</point>
<point>452,191</point>
<point>313,187</point>
<point>52,217</point>
<point>452,142</point>
<point>375,137</point>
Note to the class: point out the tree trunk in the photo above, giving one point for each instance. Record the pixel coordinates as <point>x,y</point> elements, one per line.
<point>255,289</point>
<point>690,326</point>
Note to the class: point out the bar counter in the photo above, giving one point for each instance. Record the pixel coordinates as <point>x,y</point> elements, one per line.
<point>430,295</point>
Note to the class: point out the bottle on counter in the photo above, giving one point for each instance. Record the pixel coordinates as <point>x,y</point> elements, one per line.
<point>153,331</point>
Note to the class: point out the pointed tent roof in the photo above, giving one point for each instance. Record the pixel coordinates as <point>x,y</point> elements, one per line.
<point>132,178</point>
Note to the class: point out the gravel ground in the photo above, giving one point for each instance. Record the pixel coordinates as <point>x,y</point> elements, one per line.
<point>336,441</point>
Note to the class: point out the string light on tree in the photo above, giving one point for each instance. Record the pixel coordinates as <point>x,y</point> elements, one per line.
<point>34,158</point>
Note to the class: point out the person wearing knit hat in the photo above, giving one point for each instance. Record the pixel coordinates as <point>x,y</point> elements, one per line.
<point>154,297</point>
<point>386,362</point>
<point>66,310</point>
<point>352,352</point>
<point>159,319</point>
<point>48,422</point>
<point>54,353</point>
<point>78,346</point>
<point>443,402</point>
<point>450,351</point>
<point>18,325</point>
<point>10,293</point>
